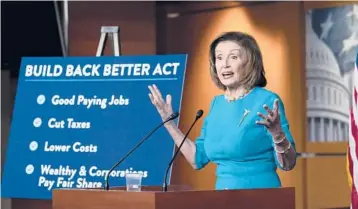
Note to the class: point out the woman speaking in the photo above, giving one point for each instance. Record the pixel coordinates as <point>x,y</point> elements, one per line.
<point>246,132</point>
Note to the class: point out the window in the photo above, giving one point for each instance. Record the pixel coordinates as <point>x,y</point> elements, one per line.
<point>308,136</point>
<point>344,131</point>
<point>339,98</point>
<point>329,95</point>
<point>335,130</point>
<point>317,126</point>
<point>327,132</point>
<point>334,97</point>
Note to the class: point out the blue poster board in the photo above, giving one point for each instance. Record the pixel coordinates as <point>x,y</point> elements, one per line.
<point>75,117</point>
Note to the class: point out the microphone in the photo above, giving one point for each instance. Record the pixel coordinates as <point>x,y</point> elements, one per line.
<point>171,117</point>
<point>165,184</point>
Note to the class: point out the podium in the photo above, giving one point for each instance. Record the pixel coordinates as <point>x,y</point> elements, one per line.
<point>174,198</point>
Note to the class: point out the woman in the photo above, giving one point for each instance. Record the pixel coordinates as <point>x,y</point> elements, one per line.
<point>246,132</point>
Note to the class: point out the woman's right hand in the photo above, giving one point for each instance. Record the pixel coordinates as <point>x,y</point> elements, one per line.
<point>163,107</point>
<point>165,110</point>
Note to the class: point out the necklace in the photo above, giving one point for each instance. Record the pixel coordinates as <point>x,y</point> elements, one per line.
<point>236,97</point>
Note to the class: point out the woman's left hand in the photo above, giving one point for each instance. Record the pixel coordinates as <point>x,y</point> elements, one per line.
<point>272,120</point>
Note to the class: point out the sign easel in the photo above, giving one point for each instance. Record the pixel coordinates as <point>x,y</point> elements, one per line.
<point>113,33</point>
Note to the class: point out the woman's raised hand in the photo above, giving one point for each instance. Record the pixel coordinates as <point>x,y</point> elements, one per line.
<point>272,119</point>
<point>164,108</point>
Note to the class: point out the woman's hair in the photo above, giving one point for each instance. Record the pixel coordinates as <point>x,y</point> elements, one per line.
<point>252,74</point>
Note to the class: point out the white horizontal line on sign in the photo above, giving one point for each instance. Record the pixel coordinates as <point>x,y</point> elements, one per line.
<point>100,80</point>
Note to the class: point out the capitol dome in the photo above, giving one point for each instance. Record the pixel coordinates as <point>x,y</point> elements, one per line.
<point>327,91</point>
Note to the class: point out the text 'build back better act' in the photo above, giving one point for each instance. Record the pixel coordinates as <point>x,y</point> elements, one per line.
<point>98,70</point>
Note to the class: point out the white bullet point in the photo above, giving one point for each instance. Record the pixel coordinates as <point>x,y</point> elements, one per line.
<point>41,99</point>
<point>29,169</point>
<point>33,146</point>
<point>37,122</point>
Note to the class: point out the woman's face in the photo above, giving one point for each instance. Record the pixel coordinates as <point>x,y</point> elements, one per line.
<point>228,63</point>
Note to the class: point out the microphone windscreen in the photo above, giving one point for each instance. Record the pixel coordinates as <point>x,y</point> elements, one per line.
<point>174,115</point>
<point>199,114</point>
